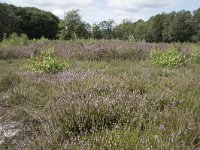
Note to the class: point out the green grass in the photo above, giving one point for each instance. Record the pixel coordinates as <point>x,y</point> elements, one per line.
<point>115,104</point>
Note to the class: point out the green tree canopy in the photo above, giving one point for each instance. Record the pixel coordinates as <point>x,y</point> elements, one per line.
<point>107,27</point>
<point>96,32</point>
<point>9,22</point>
<point>182,27</point>
<point>155,28</point>
<point>197,25</point>
<point>73,26</point>
<point>166,35</point>
<point>179,26</point>
<point>37,23</point>
<point>34,22</point>
<point>123,30</point>
<point>140,30</point>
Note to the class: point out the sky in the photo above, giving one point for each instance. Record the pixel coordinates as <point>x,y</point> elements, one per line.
<point>94,11</point>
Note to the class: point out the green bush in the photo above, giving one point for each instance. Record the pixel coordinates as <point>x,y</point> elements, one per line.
<point>172,57</point>
<point>195,56</point>
<point>13,40</point>
<point>47,62</point>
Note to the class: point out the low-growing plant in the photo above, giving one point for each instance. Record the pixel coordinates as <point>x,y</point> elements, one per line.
<point>13,40</point>
<point>47,62</point>
<point>131,38</point>
<point>172,57</point>
<point>41,40</point>
<point>9,81</point>
<point>112,54</point>
<point>195,56</point>
<point>8,54</point>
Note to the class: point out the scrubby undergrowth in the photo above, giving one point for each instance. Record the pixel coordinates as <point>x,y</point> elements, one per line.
<point>106,100</point>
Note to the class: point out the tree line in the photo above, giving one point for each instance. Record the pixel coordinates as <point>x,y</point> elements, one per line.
<point>31,21</point>
<point>181,26</point>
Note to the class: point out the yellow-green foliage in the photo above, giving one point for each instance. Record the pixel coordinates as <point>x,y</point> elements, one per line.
<point>46,62</point>
<point>195,56</point>
<point>172,57</point>
<point>14,39</point>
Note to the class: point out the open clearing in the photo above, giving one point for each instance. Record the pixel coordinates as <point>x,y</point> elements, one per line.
<point>110,97</point>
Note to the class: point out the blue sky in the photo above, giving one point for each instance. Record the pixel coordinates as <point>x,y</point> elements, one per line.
<point>98,10</point>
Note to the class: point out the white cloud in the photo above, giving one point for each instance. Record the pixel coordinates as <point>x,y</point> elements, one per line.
<point>138,9</point>
<point>58,7</point>
<point>137,5</point>
<point>53,3</point>
<point>98,10</point>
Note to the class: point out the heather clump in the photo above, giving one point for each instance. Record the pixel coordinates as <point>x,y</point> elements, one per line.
<point>9,81</point>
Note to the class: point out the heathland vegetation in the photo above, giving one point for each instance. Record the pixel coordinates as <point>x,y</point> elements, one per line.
<point>102,86</point>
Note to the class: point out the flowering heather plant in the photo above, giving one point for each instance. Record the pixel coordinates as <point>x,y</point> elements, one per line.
<point>47,62</point>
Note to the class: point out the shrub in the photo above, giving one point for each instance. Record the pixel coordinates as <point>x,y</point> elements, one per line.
<point>131,38</point>
<point>14,39</point>
<point>41,40</point>
<point>172,57</point>
<point>195,56</point>
<point>47,62</point>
